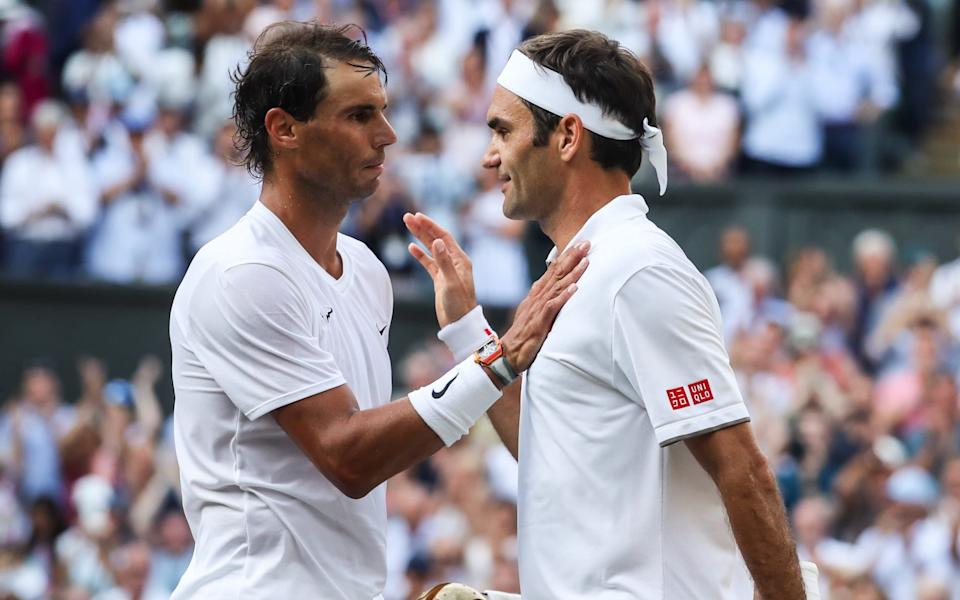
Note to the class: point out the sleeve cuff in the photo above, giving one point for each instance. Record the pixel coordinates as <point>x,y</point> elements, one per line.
<point>291,397</point>
<point>672,433</point>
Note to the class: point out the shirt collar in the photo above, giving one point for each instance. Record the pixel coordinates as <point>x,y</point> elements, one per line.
<point>618,210</point>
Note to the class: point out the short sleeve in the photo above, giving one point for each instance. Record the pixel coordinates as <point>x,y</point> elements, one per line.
<point>251,328</point>
<point>668,354</point>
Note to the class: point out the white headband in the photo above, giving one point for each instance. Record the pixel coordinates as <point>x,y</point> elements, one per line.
<point>547,89</point>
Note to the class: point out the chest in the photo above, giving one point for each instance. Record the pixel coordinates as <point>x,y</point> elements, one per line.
<point>352,327</point>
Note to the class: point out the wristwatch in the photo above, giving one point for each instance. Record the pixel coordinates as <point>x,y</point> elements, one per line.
<point>491,355</point>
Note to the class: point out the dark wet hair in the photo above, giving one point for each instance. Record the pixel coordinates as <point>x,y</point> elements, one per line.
<point>287,70</point>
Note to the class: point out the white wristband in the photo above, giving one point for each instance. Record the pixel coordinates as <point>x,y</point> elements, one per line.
<point>468,333</point>
<point>453,403</point>
<point>811,579</point>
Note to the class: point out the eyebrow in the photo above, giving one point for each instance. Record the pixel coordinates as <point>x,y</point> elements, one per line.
<point>496,122</point>
<point>363,107</point>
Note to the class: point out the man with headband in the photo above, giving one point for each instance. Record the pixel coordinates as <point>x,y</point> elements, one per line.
<point>640,477</point>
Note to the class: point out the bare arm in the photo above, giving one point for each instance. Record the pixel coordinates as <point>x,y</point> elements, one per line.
<point>357,449</point>
<point>505,416</point>
<point>754,507</point>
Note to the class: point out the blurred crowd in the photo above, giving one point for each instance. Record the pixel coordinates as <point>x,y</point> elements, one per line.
<point>116,160</point>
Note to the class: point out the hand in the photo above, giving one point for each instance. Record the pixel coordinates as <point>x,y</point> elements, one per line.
<point>449,267</point>
<point>536,313</point>
<point>148,371</point>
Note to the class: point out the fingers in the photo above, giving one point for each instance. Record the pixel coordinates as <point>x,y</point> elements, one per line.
<point>561,267</point>
<point>424,259</point>
<point>574,275</point>
<point>571,258</point>
<point>553,306</point>
<point>442,257</point>
<point>426,230</point>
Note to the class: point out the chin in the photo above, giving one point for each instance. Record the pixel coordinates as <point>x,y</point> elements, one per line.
<point>514,211</point>
<point>365,190</point>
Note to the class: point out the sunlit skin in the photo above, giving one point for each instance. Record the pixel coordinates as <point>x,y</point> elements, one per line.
<point>557,184</point>
<point>313,181</point>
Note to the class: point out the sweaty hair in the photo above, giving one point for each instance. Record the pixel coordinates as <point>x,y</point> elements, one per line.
<point>287,70</point>
<point>601,72</point>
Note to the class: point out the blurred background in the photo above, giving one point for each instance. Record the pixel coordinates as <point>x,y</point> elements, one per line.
<point>815,178</point>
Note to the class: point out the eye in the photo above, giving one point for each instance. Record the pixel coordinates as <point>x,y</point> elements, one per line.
<point>360,117</point>
<point>502,132</point>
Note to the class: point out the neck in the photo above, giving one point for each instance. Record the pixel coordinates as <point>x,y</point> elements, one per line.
<point>312,219</point>
<point>581,199</point>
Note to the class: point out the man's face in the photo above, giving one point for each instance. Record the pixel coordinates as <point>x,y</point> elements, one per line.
<point>528,174</point>
<point>341,148</point>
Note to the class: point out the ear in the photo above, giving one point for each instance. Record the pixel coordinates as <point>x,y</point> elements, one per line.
<point>571,136</point>
<point>280,129</point>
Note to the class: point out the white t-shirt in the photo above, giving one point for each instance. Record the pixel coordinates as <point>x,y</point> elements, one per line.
<point>257,324</point>
<point>610,507</point>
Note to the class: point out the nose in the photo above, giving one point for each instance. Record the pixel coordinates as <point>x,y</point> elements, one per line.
<point>385,136</point>
<point>491,158</point>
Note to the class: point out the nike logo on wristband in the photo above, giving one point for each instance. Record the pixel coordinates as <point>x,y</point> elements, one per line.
<point>439,394</point>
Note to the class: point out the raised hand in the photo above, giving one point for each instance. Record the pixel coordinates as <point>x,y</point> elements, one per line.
<point>448,265</point>
<point>535,314</point>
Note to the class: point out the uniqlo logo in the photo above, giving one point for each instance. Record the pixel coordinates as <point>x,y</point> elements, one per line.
<point>700,391</point>
<point>678,398</point>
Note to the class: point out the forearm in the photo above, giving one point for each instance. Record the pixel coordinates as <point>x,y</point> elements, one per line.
<point>505,416</point>
<point>759,525</point>
<point>378,443</point>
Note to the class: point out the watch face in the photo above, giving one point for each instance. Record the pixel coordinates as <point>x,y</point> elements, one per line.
<point>489,349</point>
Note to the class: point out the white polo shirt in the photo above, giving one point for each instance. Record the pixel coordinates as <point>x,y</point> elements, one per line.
<point>257,324</point>
<point>610,507</point>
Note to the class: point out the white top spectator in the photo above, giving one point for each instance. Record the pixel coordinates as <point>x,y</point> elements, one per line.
<point>634,363</point>
<point>46,190</point>
<point>257,324</point>
<point>783,125</point>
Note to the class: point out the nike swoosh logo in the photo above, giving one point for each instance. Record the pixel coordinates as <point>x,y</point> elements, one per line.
<point>437,394</point>
<point>384,329</point>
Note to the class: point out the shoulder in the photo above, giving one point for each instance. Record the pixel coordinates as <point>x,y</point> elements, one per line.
<point>22,155</point>
<point>240,261</point>
<point>636,245</point>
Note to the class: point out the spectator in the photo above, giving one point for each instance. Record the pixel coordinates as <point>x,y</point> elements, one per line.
<point>874,252</point>
<point>25,51</point>
<point>852,90</point>
<point>726,57</point>
<point>730,286</point>
<point>495,248</point>
<point>904,547</point>
<point>838,561</point>
<point>436,186</point>
<point>31,430</point>
<point>171,552</point>
<point>235,192</point>
<point>131,564</point>
<point>783,135</point>
<point>138,236</point>
<point>83,550</point>
<point>47,200</point>
<point>702,128</point>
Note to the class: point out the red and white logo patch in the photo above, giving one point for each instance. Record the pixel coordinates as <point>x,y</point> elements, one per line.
<point>700,391</point>
<point>678,398</point>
